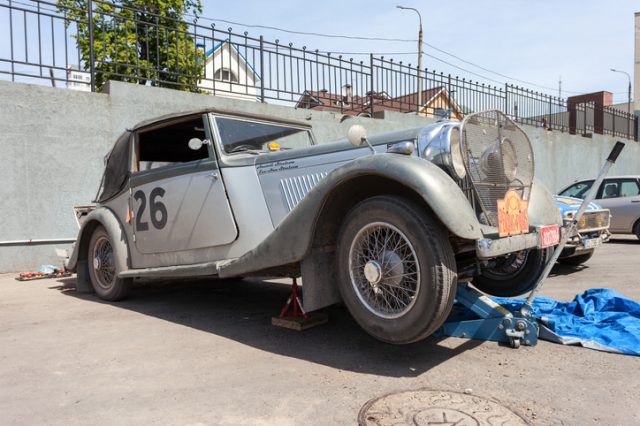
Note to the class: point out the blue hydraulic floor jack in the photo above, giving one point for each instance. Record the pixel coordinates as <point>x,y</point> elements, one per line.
<point>495,322</point>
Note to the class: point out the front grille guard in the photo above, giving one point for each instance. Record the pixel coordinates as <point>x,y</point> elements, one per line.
<point>498,157</point>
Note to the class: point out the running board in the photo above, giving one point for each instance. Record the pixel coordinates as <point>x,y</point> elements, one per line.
<point>195,270</point>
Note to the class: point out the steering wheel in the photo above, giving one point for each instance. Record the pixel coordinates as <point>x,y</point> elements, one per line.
<point>245,147</point>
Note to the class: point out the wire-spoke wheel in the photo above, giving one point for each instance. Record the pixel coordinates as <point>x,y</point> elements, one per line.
<point>396,269</point>
<point>384,270</point>
<point>103,269</point>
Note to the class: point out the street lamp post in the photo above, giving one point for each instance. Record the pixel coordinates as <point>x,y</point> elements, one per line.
<point>628,101</point>
<point>419,56</point>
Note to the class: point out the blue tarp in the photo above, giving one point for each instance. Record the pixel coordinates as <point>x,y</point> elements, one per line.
<point>599,318</point>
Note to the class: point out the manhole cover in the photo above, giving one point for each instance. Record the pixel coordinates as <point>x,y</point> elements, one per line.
<point>427,407</point>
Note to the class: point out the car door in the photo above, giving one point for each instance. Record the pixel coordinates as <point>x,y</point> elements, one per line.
<point>622,197</point>
<point>177,196</point>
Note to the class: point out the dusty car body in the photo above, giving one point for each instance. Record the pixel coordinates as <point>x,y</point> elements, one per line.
<point>619,194</point>
<point>388,227</point>
<point>592,229</point>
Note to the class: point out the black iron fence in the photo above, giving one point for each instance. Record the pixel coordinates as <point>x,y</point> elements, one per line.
<point>83,48</point>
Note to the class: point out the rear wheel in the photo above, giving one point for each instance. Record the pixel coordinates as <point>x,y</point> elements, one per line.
<point>636,229</point>
<point>514,274</point>
<point>578,259</point>
<point>102,268</point>
<point>396,270</point>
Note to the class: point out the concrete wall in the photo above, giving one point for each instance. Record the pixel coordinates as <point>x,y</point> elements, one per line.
<point>52,144</point>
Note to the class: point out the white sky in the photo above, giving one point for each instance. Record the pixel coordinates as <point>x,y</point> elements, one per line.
<point>535,41</point>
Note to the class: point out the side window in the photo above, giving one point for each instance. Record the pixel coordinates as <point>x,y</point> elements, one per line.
<point>168,144</point>
<point>614,188</point>
<point>629,188</point>
<point>577,190</point>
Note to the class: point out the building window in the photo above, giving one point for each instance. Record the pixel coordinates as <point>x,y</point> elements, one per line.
<point>225,74</point>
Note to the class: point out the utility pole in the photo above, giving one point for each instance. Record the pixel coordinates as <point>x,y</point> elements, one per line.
<point>560,87</point>
<point>419,56</point>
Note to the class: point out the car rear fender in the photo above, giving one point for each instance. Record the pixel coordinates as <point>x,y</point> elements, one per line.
<point>78,261</point>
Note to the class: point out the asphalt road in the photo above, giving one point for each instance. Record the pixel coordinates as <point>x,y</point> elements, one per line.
<point>205,353</point>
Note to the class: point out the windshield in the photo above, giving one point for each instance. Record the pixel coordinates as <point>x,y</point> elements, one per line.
<point>240,136</point>
<point>577,190</point>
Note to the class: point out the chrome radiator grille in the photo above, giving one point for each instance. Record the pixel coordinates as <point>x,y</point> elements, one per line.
<point>498,157</point>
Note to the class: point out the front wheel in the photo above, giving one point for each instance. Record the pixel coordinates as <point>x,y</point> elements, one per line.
<point>396,269</point>
<point>102,268</point>
<point>514,274</point>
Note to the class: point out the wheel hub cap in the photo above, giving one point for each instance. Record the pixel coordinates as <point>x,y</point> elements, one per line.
<point>373,272</point>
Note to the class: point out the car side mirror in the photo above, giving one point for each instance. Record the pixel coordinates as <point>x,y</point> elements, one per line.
<point>195,143</point>
<point>357,135</point>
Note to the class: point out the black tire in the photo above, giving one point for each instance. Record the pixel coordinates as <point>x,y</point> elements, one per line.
<point>103,270</point>
<point>636,229</point>
<point>515,274</point>
<point>414,266</point>
<point>577,259</point>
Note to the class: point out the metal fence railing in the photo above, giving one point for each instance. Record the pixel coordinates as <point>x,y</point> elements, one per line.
<point>82,49</point>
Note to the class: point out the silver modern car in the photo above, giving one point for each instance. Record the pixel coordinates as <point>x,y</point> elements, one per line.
<point>619,194</point>
<point>389,224</point>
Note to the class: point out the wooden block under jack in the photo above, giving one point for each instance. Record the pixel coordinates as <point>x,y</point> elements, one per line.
<point>299,323</point>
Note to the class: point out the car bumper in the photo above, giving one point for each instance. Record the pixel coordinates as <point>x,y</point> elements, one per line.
<point>585,243</point>
<point>488,248</point>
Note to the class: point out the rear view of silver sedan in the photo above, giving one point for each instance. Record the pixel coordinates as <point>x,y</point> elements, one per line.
<point>620,194</point>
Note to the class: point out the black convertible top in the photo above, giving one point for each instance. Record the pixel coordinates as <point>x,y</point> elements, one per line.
<point>116,171</point>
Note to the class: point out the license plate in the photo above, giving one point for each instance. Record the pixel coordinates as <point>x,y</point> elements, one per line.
<point>549,236</point>
<point>592,243</point>
<point>512,215</point>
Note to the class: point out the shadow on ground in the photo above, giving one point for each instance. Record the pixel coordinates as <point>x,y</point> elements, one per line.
<point>565,269</point>
<point>615,240</point>
<point>242,311</point>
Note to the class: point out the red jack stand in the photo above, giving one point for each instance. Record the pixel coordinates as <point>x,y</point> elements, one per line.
<point>294,300</point>
<point>299,319</point>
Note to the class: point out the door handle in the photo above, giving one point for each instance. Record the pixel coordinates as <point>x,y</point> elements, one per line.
<point>635,201</point>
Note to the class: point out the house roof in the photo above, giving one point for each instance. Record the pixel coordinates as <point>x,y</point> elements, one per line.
<point>326,101</point>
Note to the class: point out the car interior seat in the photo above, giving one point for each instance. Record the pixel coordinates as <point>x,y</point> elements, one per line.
<point>610,191</point>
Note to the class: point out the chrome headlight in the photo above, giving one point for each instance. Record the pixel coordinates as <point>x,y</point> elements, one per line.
<point>501,156</point>
<point>440,144</point>
<point>457,163</point>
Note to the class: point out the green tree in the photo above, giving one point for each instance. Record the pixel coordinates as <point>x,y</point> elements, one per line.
<point>139,41</point>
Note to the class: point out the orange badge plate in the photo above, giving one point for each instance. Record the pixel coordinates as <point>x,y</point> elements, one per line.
<point>513,218</point>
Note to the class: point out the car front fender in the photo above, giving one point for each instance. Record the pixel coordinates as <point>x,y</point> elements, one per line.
<point>291,241</point>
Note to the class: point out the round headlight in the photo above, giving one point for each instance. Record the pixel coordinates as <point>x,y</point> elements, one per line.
<point>509,159</point>
<point>457,163</point>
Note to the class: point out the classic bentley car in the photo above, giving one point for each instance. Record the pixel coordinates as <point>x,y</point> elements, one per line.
<point>592,229</point>
<point>387,224</point>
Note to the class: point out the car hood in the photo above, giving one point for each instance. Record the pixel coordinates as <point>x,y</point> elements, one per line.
<point>571,204</point>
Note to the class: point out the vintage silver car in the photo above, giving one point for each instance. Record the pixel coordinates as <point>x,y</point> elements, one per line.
<point>387,224</point>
